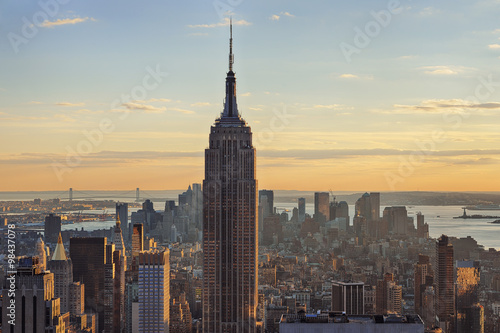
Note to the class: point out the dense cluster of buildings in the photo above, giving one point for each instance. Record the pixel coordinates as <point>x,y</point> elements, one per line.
<point>321,271</point>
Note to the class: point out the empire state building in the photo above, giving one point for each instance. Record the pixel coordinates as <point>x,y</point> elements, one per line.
<point>230,221</point>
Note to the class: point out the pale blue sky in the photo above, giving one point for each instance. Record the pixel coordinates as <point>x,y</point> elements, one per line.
<point>424,63</point>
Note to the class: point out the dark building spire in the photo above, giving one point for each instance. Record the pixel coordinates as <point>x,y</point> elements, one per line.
<point>230,106</point>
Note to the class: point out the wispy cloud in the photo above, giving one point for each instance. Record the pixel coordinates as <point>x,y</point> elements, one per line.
<point>331,106</point>
<point>494,46</point>
<point>276,17</point>
<point>144,107</point>
<point>444,70</point>
<point>65,118</point>
<point>429,11</point>
<point>246,94</point>
<point>67,104</point>
<point>407,57</point>
<point>201,104</point>
<point>343,153</point>
<point>164,100</point>
<point>102,158</point>
<point>224,23</point>
<point>181,110</point>
<point>348,76</point>
<point>5,116</point>
<point>75,20</point>
<point>440,106</point>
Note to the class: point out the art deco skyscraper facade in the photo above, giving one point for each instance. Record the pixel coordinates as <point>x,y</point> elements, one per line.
<point>230,222</point>
<point>62,268</point>
<point>444,281</point>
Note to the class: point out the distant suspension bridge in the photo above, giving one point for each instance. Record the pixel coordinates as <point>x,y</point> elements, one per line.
<point>138,195</point>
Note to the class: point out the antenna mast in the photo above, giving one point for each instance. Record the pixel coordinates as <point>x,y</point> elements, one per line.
<point>231,56</point>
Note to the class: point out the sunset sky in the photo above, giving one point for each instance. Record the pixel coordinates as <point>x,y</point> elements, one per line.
<point>341,95</point>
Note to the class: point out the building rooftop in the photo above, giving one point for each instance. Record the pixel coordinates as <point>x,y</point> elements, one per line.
<point>342,318</point>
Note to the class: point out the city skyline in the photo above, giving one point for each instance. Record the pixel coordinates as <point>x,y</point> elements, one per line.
<point>401,106</point>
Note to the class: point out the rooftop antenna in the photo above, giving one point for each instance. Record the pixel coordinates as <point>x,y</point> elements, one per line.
<point>231,56</point>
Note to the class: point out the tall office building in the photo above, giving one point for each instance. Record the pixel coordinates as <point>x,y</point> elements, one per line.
<point>154,291</point>
<point>269,194</point>
<point>76,301</point>
<point>467,294</point>
<point>473,321</point>
<point>348,297</point>
<point>266,209</point>
<point>114,290</point>
<point>321,207</point>
<point>88,255</point>
<point>396,218</point>
<point>302,209</point>
<point>375,206</point>
<point>62,268</point>
<point>137,238</point>
<point>36,309</point>
<point>444,282</point>
<point>383,305</point>
<point>52,228</point>
<point>109,278</point>
<point>230,221</point>
<point>394,298</point>
<point>120,245</point>
<point>122,215</point>
<point>422,274</point>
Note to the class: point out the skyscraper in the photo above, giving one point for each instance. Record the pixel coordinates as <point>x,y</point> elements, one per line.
<point>269,194</point>
<point>422,273</point>
<point>52,228</point>
<point>397,219</point>
<point>321,207</point>
<point>230,221</point>
<point>62,268</point>
<point>154,291</point>
<point>122,214</point>
<point>302,209</point>
<point>348,297</point>
<point>36,309</point>
<point>89,258</point>
<point>137,238</point>
<point>445,293</point>
<point>467,294</point>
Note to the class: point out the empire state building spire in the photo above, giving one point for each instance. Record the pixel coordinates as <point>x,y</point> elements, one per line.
<point>230,116</point>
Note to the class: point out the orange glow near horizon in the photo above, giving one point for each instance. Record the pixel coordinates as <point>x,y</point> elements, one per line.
<point>353,174</point>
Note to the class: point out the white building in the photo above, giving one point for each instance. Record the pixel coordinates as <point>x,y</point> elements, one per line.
<point>154,291</point>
